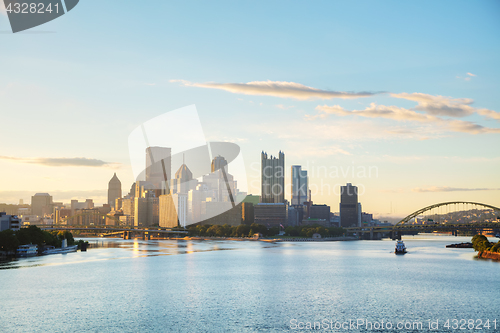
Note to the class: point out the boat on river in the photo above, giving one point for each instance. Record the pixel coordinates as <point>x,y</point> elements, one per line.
<point>63,249</point>
<point>400,247</point>
<point>27,250</point>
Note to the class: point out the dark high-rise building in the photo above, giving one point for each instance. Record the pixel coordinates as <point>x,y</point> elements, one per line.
<point>349,206</point>
<point>247,213</point>
<point>158,166</point>
<point>114,190</point>
<point>273,178</point>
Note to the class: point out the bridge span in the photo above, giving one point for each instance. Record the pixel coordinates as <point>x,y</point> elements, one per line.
<point>406,226</point>
<point>126,232</point>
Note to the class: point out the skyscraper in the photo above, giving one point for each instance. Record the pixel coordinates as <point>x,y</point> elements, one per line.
<point>273,178</point>
<point>183,181</point>
<point>300,186</point>
<point>146,210</point>
<point>158,166</point>
<point>114,190</point>
<point>40,204</point>
<point>349,205</point>
<point>218,163</point>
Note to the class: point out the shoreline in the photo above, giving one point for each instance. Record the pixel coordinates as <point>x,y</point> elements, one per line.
<point>240,239</point>
<point>489,255</point>
<point>328,239</point>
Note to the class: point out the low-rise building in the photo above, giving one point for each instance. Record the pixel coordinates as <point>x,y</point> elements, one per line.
<point>9,222</point>
<point>271,214</point>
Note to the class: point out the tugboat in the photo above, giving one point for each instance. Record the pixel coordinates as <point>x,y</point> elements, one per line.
<point>400,247</point>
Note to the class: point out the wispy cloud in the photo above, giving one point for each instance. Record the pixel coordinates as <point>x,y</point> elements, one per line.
<point>61,162</point>
<point>284,107</point>
<point>468,76</point>
<point>281,89</point>
<point>439,105</point>
<point>450,189</point>
<point>324,151</point>
<point>446,106</point>
<point>402,114</point>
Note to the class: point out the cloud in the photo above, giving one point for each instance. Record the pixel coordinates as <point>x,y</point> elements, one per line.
<point>61,162</point>
<point>446,106</point>
<point>440,105</point>
<point>489,113</point>
<point>450,189</point>
<point>280,89</point>
<point>324,151</point>
<point>284,107</point>
<point>402,114</point>
<point>468,76</point>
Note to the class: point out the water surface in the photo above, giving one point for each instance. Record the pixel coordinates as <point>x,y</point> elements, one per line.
<point>194,286</point>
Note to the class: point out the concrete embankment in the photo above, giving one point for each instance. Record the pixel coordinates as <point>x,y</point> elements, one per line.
<point>489,255</point>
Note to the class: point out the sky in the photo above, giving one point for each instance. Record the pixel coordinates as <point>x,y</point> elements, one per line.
<point>406,90</point>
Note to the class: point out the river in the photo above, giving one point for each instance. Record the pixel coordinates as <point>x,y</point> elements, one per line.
<point>248,286</point>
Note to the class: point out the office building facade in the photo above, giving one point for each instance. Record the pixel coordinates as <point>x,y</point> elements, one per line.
<point>41,204</point>
<point>273,178</point>
<point>300,186</point>
<point>349,215</point>
<point>158,166</point>
<point>114,190</point>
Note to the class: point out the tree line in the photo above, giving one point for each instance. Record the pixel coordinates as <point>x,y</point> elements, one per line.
<point>480,243</point>
<point>309,230</point>
<point>226,230</point>
<point>244,230</point>
<point>10,240</point>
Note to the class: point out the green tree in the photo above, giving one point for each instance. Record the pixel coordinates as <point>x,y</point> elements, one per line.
<point>31,235</point>
<point>8,240</point>
<point>495,248</point>
<point>480,243</point>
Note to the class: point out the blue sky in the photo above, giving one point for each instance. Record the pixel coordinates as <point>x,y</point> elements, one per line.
<point>77,87</point>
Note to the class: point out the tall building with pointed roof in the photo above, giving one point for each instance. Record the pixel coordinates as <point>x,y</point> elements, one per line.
<point>183,181</point>
<point>114,190</point>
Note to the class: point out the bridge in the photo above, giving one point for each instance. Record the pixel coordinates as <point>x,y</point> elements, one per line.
<point>126,232</point>
<point>405,226</point>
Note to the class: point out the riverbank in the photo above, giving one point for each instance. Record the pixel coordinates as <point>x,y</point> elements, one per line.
<point>284,239</point>
<point>489,255</point>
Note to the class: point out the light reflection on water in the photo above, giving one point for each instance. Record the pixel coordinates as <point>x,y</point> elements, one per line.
<point>135,285</point>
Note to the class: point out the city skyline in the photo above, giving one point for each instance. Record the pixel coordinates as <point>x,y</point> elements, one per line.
<point>420,107</point>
